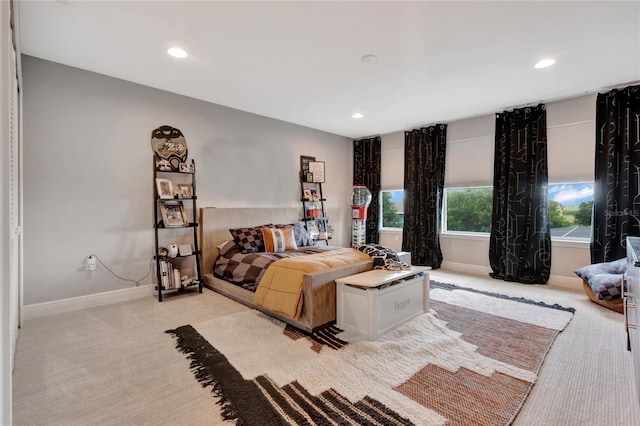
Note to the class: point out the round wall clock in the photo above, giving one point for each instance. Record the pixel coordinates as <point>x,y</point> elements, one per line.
<point>170,145</point>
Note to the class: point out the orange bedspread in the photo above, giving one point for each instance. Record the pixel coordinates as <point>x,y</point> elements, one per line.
<point>280,289</point>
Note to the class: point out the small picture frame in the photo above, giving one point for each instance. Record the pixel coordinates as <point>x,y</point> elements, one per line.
<point>163,165</point>
<point>306,194</point>
<point>304,167</point>
<point>185,250</point>
<point>184,191</point>
<point>164,188</point>
<point>173,214</point>
<point>316,168</point>
<point>186,168</point>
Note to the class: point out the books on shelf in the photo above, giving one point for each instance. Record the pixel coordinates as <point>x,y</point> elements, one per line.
<point>170,276</point>
<point>176,278</point>
<point>164,274</point>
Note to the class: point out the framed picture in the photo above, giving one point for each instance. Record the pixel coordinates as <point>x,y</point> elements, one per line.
<point>184,191</point>
<point>173,214</point>
<point>186,168</point>
<point>316,168</point>
<point>306,194</point>
<point>163,165</point>
<point>304,167</point>
<point>165,188</point>
<point>185,250</point>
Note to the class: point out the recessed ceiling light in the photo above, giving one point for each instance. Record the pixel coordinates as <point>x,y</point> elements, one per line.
<point>176,52</point>
<point>357,115</point>
<point>545,63</point>
<point>369,59</point>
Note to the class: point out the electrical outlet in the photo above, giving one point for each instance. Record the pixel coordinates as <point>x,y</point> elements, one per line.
<point>91,263</point>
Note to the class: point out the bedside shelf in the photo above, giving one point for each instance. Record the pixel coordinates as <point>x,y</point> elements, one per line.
<point>172,210</point>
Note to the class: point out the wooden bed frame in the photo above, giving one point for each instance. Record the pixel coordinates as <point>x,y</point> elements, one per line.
<point>319,288</point>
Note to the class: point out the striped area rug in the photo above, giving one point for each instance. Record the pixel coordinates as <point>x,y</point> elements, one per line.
<point>472,360</point>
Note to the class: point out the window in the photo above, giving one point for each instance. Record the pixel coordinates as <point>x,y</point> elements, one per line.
<point>392,203</point>
<point>570,206</point>
<point>467,209</point>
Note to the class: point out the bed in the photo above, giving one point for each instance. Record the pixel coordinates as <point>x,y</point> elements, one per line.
<point>319,290</point>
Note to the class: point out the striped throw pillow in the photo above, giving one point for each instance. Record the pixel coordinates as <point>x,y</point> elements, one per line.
<point>277,240</point>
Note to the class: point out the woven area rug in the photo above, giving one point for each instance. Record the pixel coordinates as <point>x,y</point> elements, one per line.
<point>472,360</point>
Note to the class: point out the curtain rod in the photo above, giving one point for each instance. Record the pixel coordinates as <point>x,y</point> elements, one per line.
<point>558,99</point>
<point>366,137</point>
<point>587,93</point>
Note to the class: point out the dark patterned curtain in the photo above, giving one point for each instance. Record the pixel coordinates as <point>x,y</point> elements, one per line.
<point>367,154</point>
<point>520,240</point>
<point>424,155</point>
<point>616,197</point>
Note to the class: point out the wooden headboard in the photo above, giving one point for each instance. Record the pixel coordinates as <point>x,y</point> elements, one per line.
<point>215,223</point>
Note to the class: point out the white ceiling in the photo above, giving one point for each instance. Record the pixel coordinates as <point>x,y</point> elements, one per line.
<point>301,61</point>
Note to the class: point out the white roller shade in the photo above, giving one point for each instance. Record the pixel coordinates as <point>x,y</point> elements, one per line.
<point>571,152</point>
<point>470,147</point>
<point>392,171</point>
<point>392,161</point>
<point>469,163</point>
<point>571,139</point>
<point>570,145</point>
<point>469,158</point>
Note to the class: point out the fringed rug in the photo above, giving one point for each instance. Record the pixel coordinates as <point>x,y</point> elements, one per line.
<point>472,360</point>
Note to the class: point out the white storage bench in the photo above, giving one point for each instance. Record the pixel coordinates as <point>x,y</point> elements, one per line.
<point>375,302</point>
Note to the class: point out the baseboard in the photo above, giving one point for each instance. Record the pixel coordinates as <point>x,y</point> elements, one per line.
<point>465,268</point>
<point>571,283</point>
<point>39,310</point>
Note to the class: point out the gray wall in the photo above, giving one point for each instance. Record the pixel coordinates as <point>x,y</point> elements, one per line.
<point>88,173</point>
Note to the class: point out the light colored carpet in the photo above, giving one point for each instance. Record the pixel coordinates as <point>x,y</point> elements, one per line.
<point>115,365</point>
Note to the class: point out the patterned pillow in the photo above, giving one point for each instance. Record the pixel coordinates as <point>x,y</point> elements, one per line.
<point>228,247</point>
<point>383,257</point>
<point>604,278</point>
<point>303,239</point>
<point>616,267</point>
<point>278,240</point>
<point>249,239</point>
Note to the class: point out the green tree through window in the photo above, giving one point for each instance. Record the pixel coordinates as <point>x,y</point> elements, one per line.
<point>469,209</point>
<point>583,215</point>
<point>390,216</point>
<point>556,215</point>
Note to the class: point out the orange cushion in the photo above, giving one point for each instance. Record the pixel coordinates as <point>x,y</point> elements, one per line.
<point>277,240</point>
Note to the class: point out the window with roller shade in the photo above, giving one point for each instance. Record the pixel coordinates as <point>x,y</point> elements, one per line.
<point>570,155</point>
<point>470,152</point>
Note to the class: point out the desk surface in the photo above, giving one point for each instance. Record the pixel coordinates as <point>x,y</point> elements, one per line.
<point>378,277</point>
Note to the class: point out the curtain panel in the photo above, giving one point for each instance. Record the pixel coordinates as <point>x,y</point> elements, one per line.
<point>424,161</point>
<point>367,161</point>
<point>520,239</point>
<point>616,197</point>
